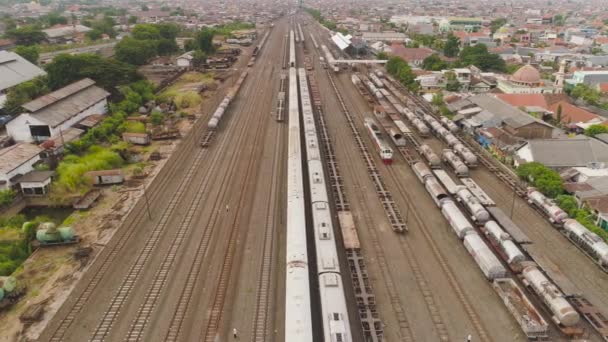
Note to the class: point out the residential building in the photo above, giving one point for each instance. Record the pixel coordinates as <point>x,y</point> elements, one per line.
<point>36,183</point>
<point>589,78</point>
<point>414,56</point>
<point>15,70</point>
<point>563,153</point>
<point>49,115</point>
<point>185,60</point>
<point>66,33</point>
<point>15,161</point>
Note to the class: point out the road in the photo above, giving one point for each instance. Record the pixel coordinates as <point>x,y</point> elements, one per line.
<point>187,273</point>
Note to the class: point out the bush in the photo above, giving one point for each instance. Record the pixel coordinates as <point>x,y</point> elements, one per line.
<point>156,118</point>
<point>72,169</point>
<point>187,100</point>
<point>7,196</point>
<point>133,127</point>
<point>543,178</point>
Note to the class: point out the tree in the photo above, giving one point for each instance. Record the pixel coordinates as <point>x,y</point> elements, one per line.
<point>94,34</point>
<point>134,51</point>
<point>23,93</point>
<point>54,18</point>
<point>568,204</point>
<point>559,20</point>
<point>145,8</point>
<point>434,63</point>
<point>198,58</point>
<point>402,72</point>
<point>107,73</point>
<point>497,23</point>
<point>146,32</point>
<point>132,20</point>
<point>167,47</point>
<point>168,30</point>
<point>31,53</point>
<point>27,35</point>
<point>479,56</point>
<point>382,55</point>
<point>543,178</point>
<point>559,114</point>
<point>452,46</point>
<point>204,40</point>
<point>437,99</point>
<point>594,130</point>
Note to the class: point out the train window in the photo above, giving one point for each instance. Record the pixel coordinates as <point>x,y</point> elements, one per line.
<point>321,205</point>
<point>336,316</point>
<point>339,337</point>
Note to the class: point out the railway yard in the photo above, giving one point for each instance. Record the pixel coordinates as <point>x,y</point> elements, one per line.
<point>302,208</point>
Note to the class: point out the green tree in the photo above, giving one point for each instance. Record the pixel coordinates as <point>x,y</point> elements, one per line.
<point>198,58</point>
<point>543,178</point>
<point>134,51</point>
<point>559,20</point>
<point>26,35</point>
<point>594,130</point>
<point>54,18</point>
<point>156,118</point>
<point>108,73</point>
<point>382,55</point>
<point>145,8</point>
<point>452,46</point>
<point>434,63</point>
<point>94,34</point>
<point>497,23</point>
<point>568,204</point>
<point>24,92</point>
<point>437,99</point>
<point>7,197</point>
<point>168,30</point>
<point>558,119</point>
<point>146,32</point>
<point>479,56</point>
<point>132,20</point>
<point>204,40</point>
<point>31,53</point>
<point>167,47</point>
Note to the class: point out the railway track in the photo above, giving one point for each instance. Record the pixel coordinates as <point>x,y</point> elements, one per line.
<point>262,301</point>
<point>137,328</point>
<point>124,234</point>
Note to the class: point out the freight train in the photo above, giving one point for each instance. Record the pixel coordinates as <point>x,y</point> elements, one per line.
<point>334,311</point>
<point>383,148</point>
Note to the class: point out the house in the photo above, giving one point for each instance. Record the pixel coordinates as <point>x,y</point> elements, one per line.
<point>15,70</point>
<point>589,78</point>
<point>36,183</point>
<point>185,60</point>
<point>66,33</point>
<point>563,153</point>
<point>49,115</point>
<point>571,114</point>
<point>383,37</point>
<point>414,56</point>
<point>15,161</point>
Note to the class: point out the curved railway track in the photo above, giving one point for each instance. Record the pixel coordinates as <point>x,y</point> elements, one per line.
<point>125,233</point>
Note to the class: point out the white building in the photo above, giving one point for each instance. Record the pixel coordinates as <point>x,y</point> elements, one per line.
<point>16,161</point>
<point>185,60</point>
<point>36,183</point>
<point>15,70</point>
<point>49,115</point>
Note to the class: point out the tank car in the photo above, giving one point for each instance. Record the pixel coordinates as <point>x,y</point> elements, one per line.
<point>456,219</point>
<point>478,213</point>
<point>430,156</point>
<point>376,80</point>
<point>588,241</point>
<point>555,213</point>
<point>449,124</point>
<point>454,161</point>
<point>467,156</point>
<point>563,313</point>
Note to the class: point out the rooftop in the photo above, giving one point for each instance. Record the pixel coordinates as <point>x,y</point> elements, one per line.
<point>62,104</point>
<point>65,30</point>
<point>36,176</point>
<point>14,156</point>
<point>16,69</point>
<point>579,151</point>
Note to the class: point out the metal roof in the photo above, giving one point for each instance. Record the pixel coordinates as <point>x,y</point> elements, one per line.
<point>341,41</point>
<point>15,69</point>
<point>14,156</point>
<point>61,31</point>
<point>580,151</point>
<point>36,176</point>
<point>504,111</point>
<point>63,104</point>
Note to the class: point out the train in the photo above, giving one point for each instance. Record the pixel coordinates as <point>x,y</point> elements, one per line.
<point>383,148</point>
<point>421,127</point>
<point>479,214</point>
<point>219,112</point>
<point>455,163</point>
<point>589,242</point>
<point>449,124</point>
<point>555,214</point>
<point>334,311</point>
<point>469,158</point>
<point>427,152</point>
<point>292,50</point>
<point>298,317</point>
<point>563,313</point>
<point>375,80</point>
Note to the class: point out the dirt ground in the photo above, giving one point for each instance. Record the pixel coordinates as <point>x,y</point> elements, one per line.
<point>51,273</point>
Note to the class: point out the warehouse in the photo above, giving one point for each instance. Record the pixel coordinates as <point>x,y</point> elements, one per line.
<point>563,153</point>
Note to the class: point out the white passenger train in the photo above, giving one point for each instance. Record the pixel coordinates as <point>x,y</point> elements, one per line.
<point>298,318</point>
<point>383,148</point>
<point>336,326</point>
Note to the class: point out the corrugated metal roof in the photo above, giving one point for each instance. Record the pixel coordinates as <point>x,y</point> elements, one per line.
<point>15,69</point>
<point>63,104</point>
<point>14,156</point>
<point>36,176</point>
<point>57,95</point>
<point>60,31</point>
<point>568,152</point>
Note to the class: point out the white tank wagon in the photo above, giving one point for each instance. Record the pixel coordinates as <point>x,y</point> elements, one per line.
<point>431,157</point>
<point>478,213</point>
<point>524,312</point>
<point>292,50</point>
<point>428,118</point>
<point>563,313</point>
<point>449,124</point>
<point>397,137</point>
<point>355,79</point>
<point>447,181</point>
<point>485,259</point>
<point>219,112</point>
<point>449,138</point>
<point>465,153</point>
<point>512,253</point>
<point>379,73</point>
<point>589,242</point>
<point>373,90</point>
<point>436,127</point>
<point>336,326</point>
<point>422,128</point>
<point>385,151</point>
<point>455,163</point>
<point>456,218</point>
<point>376,80</point>
<point>298,318</point>
<point>556,214</point>
<point>431,184</point>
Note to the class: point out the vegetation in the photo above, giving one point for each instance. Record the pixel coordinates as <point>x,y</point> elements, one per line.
<point>543,178</point>
<point>26,35</point>
<point>7,197</point>
<point>583,215</point>
<point>318,17</point>
<point>590,95</point>
<point>107,73</point>
<point>594,130</point>
<point>203,41</point>
<point>452,83</point>
<point>480,57</point>
<point>23,93</point>
<point>72,168</point>
<point>100,27</point>
<point>15,244</point>
<point>434,63</point>
<point>497,23</point>
<point>402,72</point>
<point>146,42</point>
<point>452,46</point>
<point>382,55</point>
<point>31,53</point>
<point>187,100</point>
